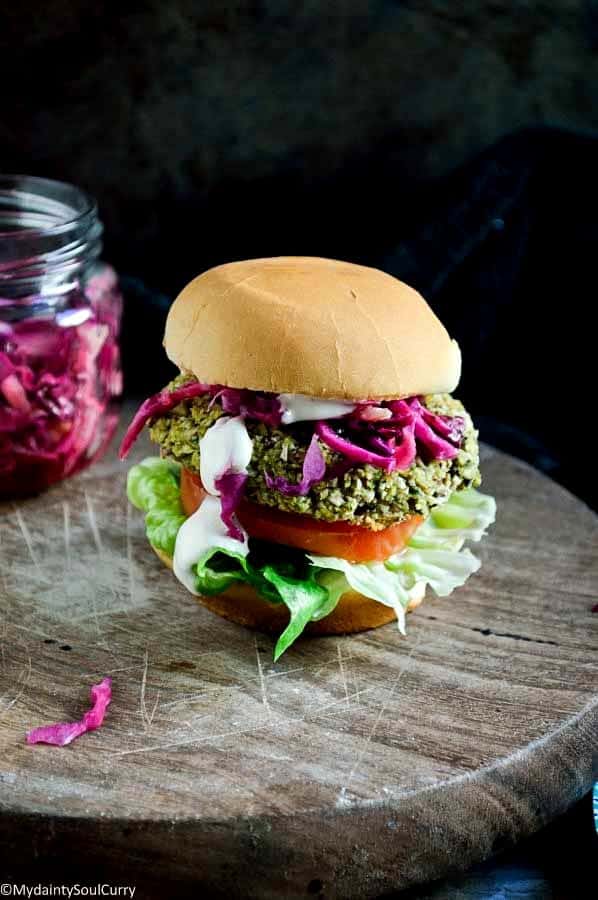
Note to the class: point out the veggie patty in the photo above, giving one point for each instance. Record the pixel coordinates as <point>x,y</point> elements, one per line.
<point>364,495</point>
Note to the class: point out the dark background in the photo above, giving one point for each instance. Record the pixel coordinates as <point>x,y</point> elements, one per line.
<point>453,144</point>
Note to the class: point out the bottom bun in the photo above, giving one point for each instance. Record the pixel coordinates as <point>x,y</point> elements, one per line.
<point>241,604</point>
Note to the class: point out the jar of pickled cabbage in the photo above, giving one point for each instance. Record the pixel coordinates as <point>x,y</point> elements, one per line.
<point>60,311</point>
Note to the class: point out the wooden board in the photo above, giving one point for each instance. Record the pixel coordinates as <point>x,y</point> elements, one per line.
<point>354,766</point>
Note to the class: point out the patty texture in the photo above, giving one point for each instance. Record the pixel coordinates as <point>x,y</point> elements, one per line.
<point>364,495</point>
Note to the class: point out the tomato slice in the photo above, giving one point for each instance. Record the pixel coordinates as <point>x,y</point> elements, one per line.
<point>192,492</point>
<point>351,542</point>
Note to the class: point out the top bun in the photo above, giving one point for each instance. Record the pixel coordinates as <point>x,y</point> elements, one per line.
<point>303,325</point>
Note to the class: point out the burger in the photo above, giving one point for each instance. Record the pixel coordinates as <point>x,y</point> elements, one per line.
<point>315,472</point>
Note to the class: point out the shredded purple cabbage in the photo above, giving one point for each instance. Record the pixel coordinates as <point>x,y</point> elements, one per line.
<point>257,405</point>
<point>58,376</point>
<point>396,432</point>
<point>351,450</point>
<point>439,445</point>
<point>451,428</point>
<point>157,405</point>
<point>314,469</point>
<point>231,487</point>
<point>407,449</point>
<point>434,447</point>
<point>385,446</point>
<point>62,733</point>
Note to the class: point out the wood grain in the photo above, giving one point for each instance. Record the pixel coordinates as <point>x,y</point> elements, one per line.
<point>355,765</point>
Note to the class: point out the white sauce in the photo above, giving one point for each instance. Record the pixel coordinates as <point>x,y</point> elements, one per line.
<point>200,532</point>
<point>301,408</point>
<point>225,447</point>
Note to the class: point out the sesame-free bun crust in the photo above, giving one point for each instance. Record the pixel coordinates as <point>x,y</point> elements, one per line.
<point>241,604</point>
<point>304,325</point>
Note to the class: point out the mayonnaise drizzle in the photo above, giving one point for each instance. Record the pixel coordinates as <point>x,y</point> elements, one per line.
<point>301,408</point>
<point>225,447</point>
<point>201,532</point>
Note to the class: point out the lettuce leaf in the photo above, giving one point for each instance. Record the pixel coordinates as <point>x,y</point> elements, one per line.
<point>154,487</point>
<point>304,598</point>
<point>465,516</point>
<point>288,581</point>
<point>372,580</point>
<point>432,557</point>
<point>218,568</point>
<point>310,586</point>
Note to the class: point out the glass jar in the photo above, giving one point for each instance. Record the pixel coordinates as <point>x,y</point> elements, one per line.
<point>60,311</point>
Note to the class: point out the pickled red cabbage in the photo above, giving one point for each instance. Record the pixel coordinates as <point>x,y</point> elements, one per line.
<point>58,374</point>
<point>231,487</point>
<point>62,733</point>
<point>397,431</point>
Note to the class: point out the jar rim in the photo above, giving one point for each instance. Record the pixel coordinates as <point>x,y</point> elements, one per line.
<point>49,233</point>
<point>64,205</point>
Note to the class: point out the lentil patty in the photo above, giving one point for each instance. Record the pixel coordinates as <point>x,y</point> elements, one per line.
<point>365,495</point>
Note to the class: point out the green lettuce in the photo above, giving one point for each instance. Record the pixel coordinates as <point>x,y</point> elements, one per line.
<point>305,599</point>
<point>278,575</point>
<point>154,487</point>
<point>465,516</point>
<point>433,556</point>
<point>310,586</point>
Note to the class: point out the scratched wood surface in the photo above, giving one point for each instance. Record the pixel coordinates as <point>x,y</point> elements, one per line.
<point>354,766</point>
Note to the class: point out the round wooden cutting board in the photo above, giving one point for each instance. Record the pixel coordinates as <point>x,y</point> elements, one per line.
<point>354,766</point>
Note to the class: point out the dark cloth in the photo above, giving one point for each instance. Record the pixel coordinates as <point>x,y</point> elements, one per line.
<point>506,252</point>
